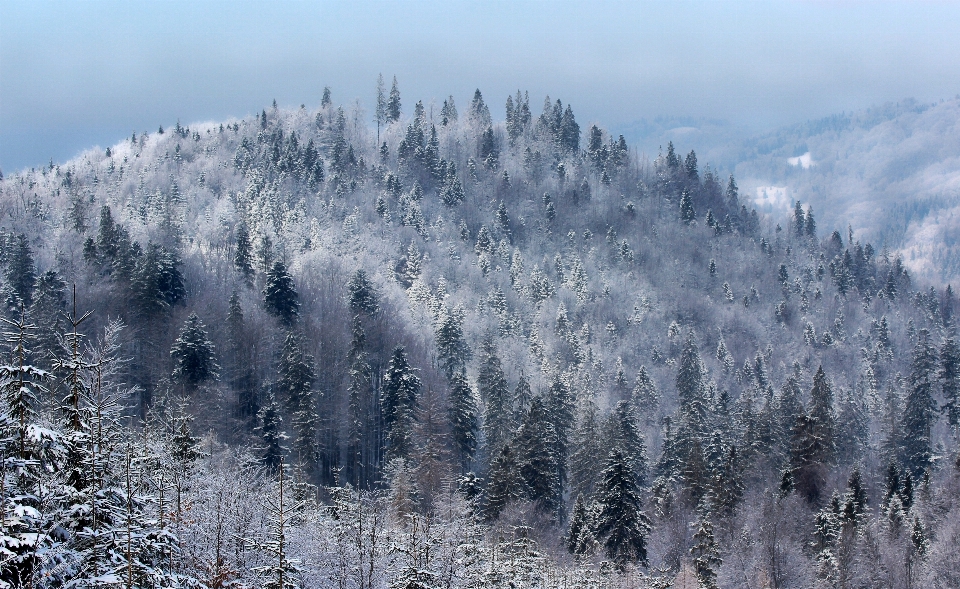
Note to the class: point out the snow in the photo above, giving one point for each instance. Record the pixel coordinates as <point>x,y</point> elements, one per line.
<point>804,161</point>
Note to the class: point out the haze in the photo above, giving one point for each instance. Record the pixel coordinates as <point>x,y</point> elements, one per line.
<point>76,74</point>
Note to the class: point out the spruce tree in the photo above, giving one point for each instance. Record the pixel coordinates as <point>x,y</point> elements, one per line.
<point>539,464</point>
<point>920,410</point>
<point>272,437</point>
<point>588,450</point>
<point>949,376</point>
<point>691,387</point>
<point>296,374</point>
<point>580,539</point>
<point>625,435</point>
<point>492,386</point>
<point>393,103</point>
<point>193,354</point>
<point>361,294</point>
<point>822,415</point>
<point>621,525</point>
<point>687,212</point>
<point>506,483</point>
<point>452,350</point>
<point>706,555</point>
<point>559,406</point>
<point>401,389</point>
<point>21,273</point>
<point>242,256</point>
<point>809,457</point>
<point>463,419</point>
<point>279,295</point>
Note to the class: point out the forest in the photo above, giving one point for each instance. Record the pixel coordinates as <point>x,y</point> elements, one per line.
<point>423,347</point>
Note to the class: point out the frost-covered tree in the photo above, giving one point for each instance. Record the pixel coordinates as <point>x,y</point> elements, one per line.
<point>280,296</point>
<point>621,525</point>
<point>194,360</point>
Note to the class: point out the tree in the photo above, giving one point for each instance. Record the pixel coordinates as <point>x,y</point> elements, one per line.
<point>622,526</point>
<point>949,375</point>
<point>271,435</point>
<point>361,294</point>
<point>538,462</point>
<point>920,410</point>
<point>463,419</point>
<point>393,103</point>
<point>452,350</point>
<point>809,456</point>
<point>381,112</point>
<point>690,385</point>
<point>401,389</point>
<point>625,435</point>
<point>242,257</point>
<point>280,296</point>
<point>822,415</point>
<point>296,374</point>
<point>706,555</point>
<point>21,272</point>
<point>687,213</point>
<point>492,386</point>
<point>580,539</point>
<point>506,483</point>
<point>193,354</point>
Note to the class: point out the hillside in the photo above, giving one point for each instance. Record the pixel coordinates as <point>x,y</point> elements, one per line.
<point>892,172</point>
<point>473,352</point>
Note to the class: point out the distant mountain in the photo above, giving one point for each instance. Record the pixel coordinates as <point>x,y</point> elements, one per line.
<point>891,173</point>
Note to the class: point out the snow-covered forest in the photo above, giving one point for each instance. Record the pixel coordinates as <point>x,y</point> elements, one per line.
<point>421,346</point>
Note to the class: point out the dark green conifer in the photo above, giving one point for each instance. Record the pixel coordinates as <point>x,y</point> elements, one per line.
<point>621,524</point>
<point>279,295</point>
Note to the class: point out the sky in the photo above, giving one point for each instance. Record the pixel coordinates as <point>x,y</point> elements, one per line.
<point>80,73</point>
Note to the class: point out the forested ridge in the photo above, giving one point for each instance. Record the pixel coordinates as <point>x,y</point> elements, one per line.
<point>421,347</point>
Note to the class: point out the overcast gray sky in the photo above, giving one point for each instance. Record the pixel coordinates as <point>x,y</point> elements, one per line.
<point>81,73</point>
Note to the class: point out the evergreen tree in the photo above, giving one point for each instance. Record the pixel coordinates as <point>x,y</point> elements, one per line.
<point>621,525</point>
<point>452,350</point>
<point>949,376</point>
<point>401,389</point>
<point>492,386</point>
<point>809,456</point>
<point>706,555</point>
<point>393,103</point>
<point>521,398</point>
<point>360,390</point>
<point>559,407</point>
<point>687,212</point>
<point>280,296</point>
<point>920,410</point>
<point>463,419</point>
<point>296,374</point>
<point>588,450</point>
<point>361,294</point>
<point>193,354</point>
<point>242,257</point>
<point>47,311</point>
<point>506,482</point>
<point>271,434</point>
<point>690,386</point>
<point>21,273</point>
<point>625,436</point>
<point>822,415</point>
<point>580,539</point>
<point>539,464</point>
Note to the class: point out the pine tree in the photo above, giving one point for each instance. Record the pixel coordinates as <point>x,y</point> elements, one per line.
<point>242,257</point>
<point>809,456</point>
<point>20,272</point>
<point>279,295</point>
<point>361,294</point>
<point>588,450</point>
<point>706,555</point>
<point>193,354</point>
<point>687,212</point>
<point>822,415</point>
<point>492,386</point>
<point>920,410</point>
<point>401,389</point>
<point>463,419</point>
<point>296,374</point>
<point>506,483</point>
<point>580,539</point>
<point>559,407</point>
<point>690,386</point>
<point>271,434</point>
<point>359,390</point>
<point>393,103</point>
<point>949,375</point>
<point>538,461</point>
<point>645,396</point>
<point>622,526</point>
<point>625,435</point>
<point>452,350</point>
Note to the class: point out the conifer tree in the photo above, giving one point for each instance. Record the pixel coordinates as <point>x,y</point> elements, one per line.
<point>687,212</point>
<point>809,456</point>
<point>580,539</point>
<point>949,376</point>
<point>359,389</point>
<point>393,103</point>
<point>559,407</point>
<point>271,434</point>
<point>193,354</point>
<point>401,389</point>
<point>588,450</point>
<point>361,294</point>
<point>492,386</point>
<point>463,419</point>
<point>296,374</point>
<point>452,350</point>
<point>822,415</point>
<point>21,273</point>
<point>537,458</point>
<point>506,482</point>
<point>242,256</point>
<point>621,525</point>
<point>919,412</point>
<point>706,555</point>
<point>279,295</point>
<point>625,435</point>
